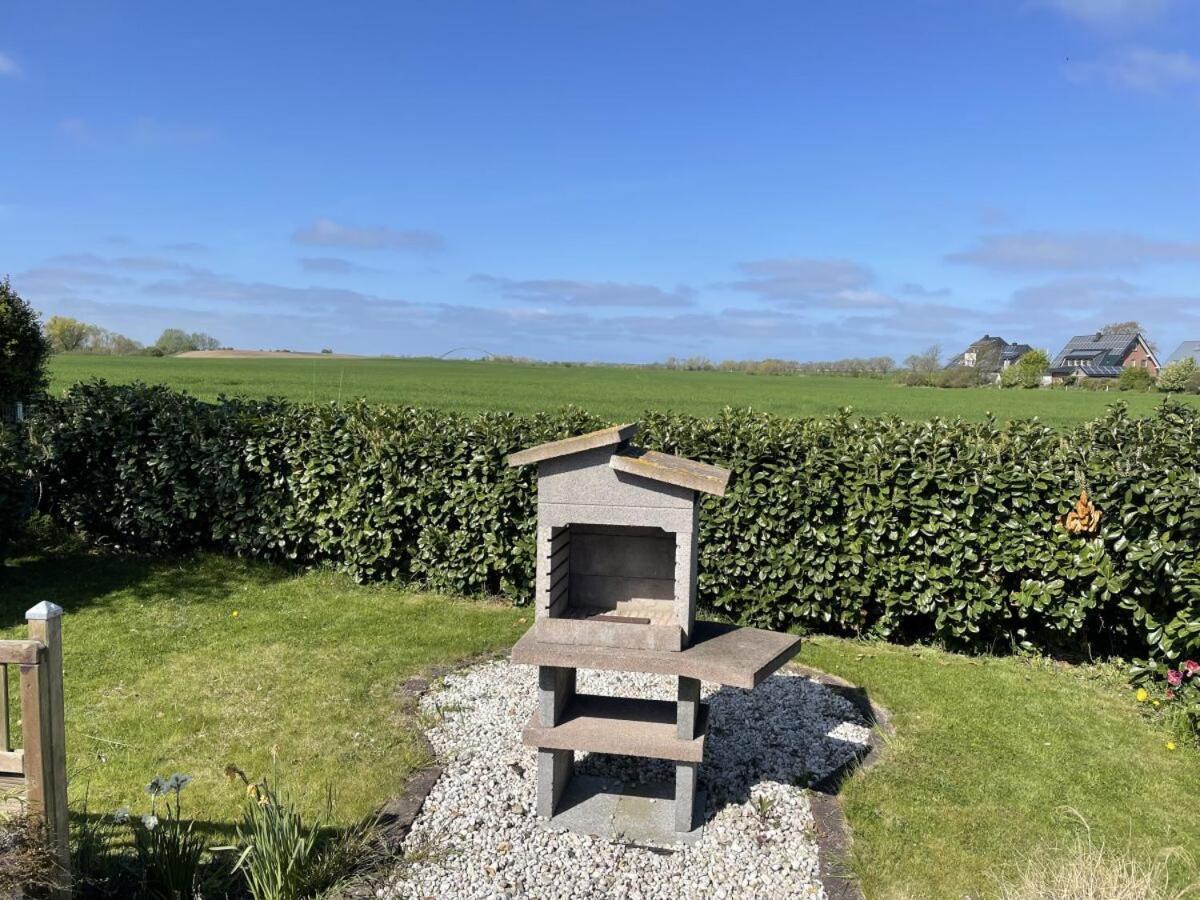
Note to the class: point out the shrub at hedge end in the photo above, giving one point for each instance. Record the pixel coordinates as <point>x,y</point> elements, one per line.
<point>942,530</point>
<point>16,487</point>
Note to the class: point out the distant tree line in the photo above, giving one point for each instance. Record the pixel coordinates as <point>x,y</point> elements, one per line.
<point>873,365</point>
<point>68,335</point>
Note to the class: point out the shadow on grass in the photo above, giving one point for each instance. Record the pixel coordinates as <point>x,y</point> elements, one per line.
<point>105,861</point>
<point>75,577</point>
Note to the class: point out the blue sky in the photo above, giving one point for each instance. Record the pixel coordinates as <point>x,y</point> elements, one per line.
<point>606,181</point>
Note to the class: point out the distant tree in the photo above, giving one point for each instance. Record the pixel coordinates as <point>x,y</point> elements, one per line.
<point>173,340</point>
<point>1176,376</point>
<point>1131,327</point>
<point>926,362</point>
<point>23,348</point>
<point>1027,371</point>
<point>66,334</point>
<point>988,359</point>
<point>110,343</point>
<point>176,340</point>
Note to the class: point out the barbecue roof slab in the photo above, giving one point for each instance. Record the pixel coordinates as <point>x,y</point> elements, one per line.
<point>676,470</point>
<point>605,437</point>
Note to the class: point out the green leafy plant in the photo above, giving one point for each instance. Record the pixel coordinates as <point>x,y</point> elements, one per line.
<point>283,857</point>
<point>168,851</point>
<point>23,348</point>
<point>1135,379</point>
<point>1172,693</point>
<point>1027,371</point>
<point>1176,377</point>
<point>97,867</point>
<point>16,485</point>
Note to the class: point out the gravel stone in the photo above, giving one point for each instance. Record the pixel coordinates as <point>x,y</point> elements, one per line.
<point>478,837</point>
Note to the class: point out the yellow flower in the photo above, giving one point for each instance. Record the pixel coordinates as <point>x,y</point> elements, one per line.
<point>1155,704</point>
<point>1171,745</point>
<point>234,614</point>
<point>1142,695</point>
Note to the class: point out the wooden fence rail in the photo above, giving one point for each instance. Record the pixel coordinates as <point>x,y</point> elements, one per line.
<point>39,767</point>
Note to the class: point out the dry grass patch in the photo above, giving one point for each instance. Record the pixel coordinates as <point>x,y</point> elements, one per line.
<point>1086,869</point>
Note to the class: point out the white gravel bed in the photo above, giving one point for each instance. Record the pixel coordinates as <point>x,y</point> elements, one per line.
<point>478,836</point>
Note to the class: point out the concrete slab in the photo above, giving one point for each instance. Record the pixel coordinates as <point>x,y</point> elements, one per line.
<point>725,654</point>
<point>624,725</point>
<point>605,437</point>
<point>640,814</point>
<point>676,470</point>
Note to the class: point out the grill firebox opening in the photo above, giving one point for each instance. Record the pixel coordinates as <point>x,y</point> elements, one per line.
<point>618,585</point>
<point>621,573</point>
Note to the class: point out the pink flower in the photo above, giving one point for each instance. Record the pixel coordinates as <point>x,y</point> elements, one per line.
<point>1174,677</point>
<point>1191,666</point>
<point>1170,694</point>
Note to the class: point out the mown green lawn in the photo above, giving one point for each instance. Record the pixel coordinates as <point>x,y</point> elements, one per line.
<point>617,393</point>
<point>996,760</point>
<point>191,664</point>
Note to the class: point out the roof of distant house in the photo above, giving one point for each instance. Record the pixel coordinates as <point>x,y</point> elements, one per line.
<point>1185,350</point>
<point>1007,352</point>
<point>1096,355</point>
<point>1015,351</point>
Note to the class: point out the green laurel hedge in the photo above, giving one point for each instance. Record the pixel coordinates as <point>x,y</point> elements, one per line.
<point>16,488</point>
<point>942,530</point>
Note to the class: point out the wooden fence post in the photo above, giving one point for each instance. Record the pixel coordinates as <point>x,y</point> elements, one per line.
<point>45,625</point>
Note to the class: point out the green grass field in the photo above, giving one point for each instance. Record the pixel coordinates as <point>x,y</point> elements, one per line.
<point>616,393</point>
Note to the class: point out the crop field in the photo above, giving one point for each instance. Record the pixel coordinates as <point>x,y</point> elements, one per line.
<point>612,392</point>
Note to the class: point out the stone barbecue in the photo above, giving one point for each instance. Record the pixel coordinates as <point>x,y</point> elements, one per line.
<point>617,551</point>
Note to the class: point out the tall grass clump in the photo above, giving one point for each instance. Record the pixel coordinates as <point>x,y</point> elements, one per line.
<point>1086,869</point>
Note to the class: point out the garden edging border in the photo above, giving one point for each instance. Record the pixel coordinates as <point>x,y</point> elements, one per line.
<point>832,828</point>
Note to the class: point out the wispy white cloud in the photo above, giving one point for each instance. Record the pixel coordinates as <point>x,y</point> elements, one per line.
<point>587,294</point>
<point>1110,14</point>
<point>285,299</point>
<point>150,132</point>
<point>811,282</point>
<point>132,263</point>
<point>76,129</point>
<point>143,132</point>
<point>1140,69</point>
<point>912,289</point>
<point>9,67</point>
<point>331,265</point>
<point>328,233</point>
<point>1048,251</point>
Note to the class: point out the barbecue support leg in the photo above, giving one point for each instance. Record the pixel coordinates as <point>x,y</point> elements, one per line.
<point>555,768</point>
<point>687,708</point>
<point>556,688</point>
<point>685,796</point>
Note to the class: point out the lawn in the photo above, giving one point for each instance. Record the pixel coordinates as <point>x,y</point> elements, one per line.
<point>609,391</point>
<point>190,664</point>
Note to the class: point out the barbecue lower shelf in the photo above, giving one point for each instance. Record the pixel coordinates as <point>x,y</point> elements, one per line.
<point>621,725</point>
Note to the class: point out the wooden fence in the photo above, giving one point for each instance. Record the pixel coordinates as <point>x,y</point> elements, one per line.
<point>38,769</point>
